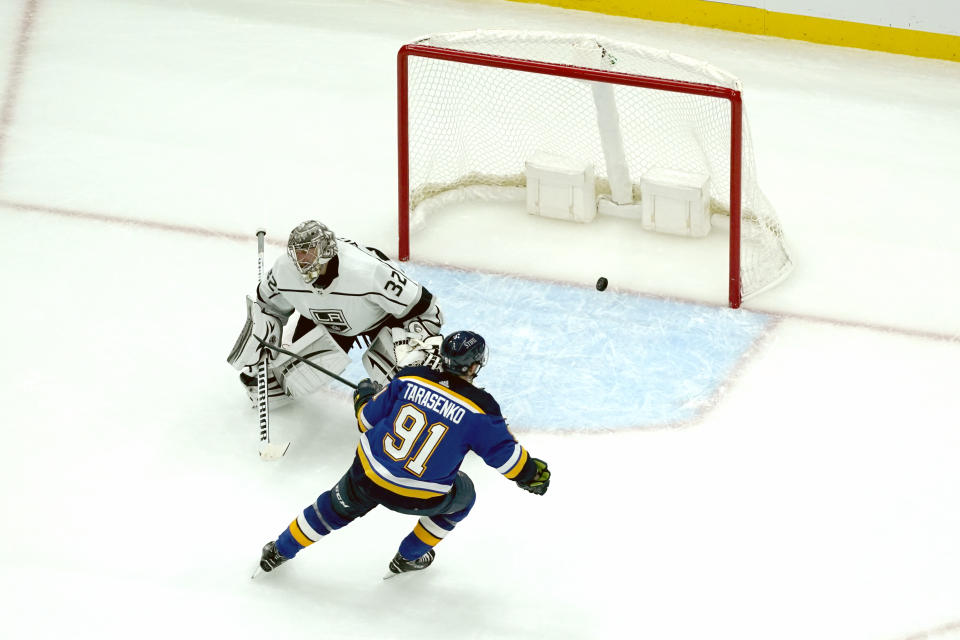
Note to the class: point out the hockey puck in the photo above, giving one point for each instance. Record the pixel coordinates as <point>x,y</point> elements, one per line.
<point>601,284</point>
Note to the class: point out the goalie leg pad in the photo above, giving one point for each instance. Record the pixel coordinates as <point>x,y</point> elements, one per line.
<point>298,378</point>
<point>275,393</point>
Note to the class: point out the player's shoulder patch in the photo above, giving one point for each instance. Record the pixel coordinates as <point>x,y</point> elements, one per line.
<point>476,395</point>
<point>486,402</point>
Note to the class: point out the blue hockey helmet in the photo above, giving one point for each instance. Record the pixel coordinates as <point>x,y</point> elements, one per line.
<point>461,350</point>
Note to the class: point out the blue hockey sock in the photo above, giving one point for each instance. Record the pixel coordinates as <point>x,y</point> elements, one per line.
<point>310,525</point>
<point>427,533</point>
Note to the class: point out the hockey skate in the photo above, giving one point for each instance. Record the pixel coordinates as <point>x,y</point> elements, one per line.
<point>399,564</point>
<point>270,558</point>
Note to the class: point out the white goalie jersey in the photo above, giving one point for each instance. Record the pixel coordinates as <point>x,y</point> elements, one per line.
<point>359,293</point>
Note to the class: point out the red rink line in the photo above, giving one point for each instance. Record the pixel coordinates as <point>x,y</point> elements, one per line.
<point>246,237</point>
<point>15,74</point>
<point>136,222</point>
<point>11,94</point>
<point>929,634</point>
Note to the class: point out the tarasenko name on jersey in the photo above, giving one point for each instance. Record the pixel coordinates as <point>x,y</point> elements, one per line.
<point>446,407</point>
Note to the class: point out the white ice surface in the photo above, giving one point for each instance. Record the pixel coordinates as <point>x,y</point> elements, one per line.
<point>813,494</point>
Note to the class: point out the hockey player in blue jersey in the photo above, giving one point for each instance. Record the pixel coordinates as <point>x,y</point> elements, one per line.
<point>415,433</point>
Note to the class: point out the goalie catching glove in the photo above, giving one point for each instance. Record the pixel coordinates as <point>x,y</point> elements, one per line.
<point>414,345</point>
<point>535,477</point>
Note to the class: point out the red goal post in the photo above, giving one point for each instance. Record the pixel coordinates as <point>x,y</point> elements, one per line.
<point>436,119</point>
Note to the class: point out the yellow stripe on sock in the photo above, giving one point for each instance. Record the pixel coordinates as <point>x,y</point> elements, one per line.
<point>425,536</point>
<point>298,534</point>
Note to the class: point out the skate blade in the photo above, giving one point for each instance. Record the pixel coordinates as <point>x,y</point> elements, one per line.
<point>256,572</point>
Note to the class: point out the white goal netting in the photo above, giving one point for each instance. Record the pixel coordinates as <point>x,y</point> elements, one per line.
<point>471,127</point>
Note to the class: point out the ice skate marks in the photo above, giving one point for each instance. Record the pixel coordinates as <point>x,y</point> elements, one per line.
<point>565,357</point>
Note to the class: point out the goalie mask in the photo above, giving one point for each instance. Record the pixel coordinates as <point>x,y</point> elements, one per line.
<point>461,350</point>
<point>311,245</point>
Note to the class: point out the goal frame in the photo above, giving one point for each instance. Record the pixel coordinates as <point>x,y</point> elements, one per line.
<point>579,73</point>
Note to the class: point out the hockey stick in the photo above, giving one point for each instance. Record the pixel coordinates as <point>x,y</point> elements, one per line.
<point>306,362</point>
<point>268,450</point>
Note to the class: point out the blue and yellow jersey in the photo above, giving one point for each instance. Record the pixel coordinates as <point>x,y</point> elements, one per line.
<point>418,429</point>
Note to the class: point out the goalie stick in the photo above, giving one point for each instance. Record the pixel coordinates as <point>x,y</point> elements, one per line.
<point>268,450</point>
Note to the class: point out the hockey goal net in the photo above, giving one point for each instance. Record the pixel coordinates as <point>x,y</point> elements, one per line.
<point>474,106</point>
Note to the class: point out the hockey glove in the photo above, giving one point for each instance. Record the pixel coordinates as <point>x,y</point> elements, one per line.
<point>433,361</point>
<point>365,390</point>
<point>414,346</point>
<point>540,481</point>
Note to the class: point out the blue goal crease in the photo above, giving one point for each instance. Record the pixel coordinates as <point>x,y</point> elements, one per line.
<point>565,357</point>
